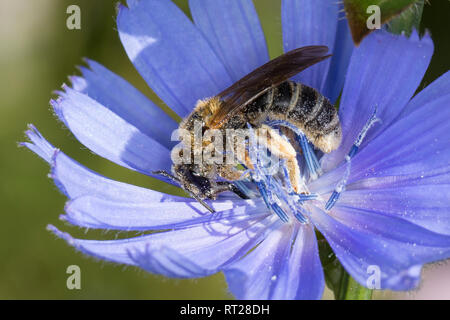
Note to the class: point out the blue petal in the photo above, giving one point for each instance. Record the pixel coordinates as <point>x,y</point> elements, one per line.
<point>170,53</point>
<point>438,88</point>
<point>404,172</point>
<point>38,144</point>
<point>415,147</point>
<point>207,247</point>
<point>363,240</point>
<point>278,270</point>
<point>233,30</point>
<point>98,213</point>
<point>127,102</point>
<point>306,23</point>
<point>411,177</point>
<point>342,52</point>
<point>168,262</point>
<point>108,135</point>
<point>418,143</point>
<point>426,205</point>
<point>384,73</point>
<point>75,180</point>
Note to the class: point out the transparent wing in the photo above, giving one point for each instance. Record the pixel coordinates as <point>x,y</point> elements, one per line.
<point>264,78</point>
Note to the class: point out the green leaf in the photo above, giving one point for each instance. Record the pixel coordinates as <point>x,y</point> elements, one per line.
<point>408,20</point>
<point>352,290</point>
<point>358,14</point>
<point>337,279</point>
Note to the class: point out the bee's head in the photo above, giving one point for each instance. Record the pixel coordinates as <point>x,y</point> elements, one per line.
<point>192,181</point>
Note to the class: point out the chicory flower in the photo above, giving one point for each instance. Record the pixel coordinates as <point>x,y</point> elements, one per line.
<point>392,210</point>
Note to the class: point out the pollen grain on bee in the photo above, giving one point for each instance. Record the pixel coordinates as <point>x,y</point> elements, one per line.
<point>222,146</point>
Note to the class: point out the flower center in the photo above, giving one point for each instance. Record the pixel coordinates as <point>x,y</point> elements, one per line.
<point>273,181</point>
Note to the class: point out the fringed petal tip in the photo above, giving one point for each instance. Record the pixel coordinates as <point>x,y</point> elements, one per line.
<point>415,37</point>
<point>62,235</point>
<point>79,82</point>
<point>44,149</point>
<point>38,144</point>
<point>119,6</point>
<point>113,135</point>
<point>117,95</point>
<point>426,36</point>
<point>56,105</point>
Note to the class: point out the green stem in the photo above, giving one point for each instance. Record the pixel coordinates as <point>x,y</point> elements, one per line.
<point>349,289</point>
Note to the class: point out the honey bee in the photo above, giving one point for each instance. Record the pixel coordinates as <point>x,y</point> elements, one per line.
<point>263,95</point>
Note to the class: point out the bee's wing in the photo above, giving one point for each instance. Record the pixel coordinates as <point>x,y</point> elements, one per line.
<point>265,77</point>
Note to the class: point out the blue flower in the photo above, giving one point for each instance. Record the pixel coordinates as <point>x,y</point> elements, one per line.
<point>392,213</point>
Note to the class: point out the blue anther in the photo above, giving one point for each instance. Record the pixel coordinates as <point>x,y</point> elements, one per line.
<point>332,200</point>
<point>276,189</point>
<point>263,192</point>
<point>300,214</point>
<point>306,197</point>
<point>300,217</point>
<point>310,157</point>
<point>372,120</point>
<point>280,212</point>
<point>272,206</point>
<point>340,187</point>
<point>353,151</point>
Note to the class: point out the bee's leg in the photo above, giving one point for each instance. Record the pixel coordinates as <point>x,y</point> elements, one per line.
<point>340,187</point>
<point>223,186</point>
<point>281,148</point>
<point>308,151</point>
<point>230,172</point>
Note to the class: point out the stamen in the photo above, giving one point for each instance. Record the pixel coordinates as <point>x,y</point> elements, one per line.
<point>340,187</point>
<point>308,151</point>
<point>300,214</point>
<point>275,187</point>
<point>332,200</point>
<point>372,120</point>
<point>280,212</point>
<point>311,160</point>
<point>273,206</point>
<point>306,197</point>
<point>287,180</point>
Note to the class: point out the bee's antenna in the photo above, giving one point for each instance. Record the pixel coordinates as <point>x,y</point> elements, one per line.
<point>166,174</point>
<point>203,203</point>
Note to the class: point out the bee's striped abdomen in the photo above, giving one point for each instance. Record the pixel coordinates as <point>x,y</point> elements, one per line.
<point>299,105</point>
<point>310,111</point>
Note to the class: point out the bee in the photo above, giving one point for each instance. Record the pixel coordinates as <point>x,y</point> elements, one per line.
<point>263,95</point>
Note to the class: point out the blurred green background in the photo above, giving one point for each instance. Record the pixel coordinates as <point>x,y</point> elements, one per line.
<point>37,54</point>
